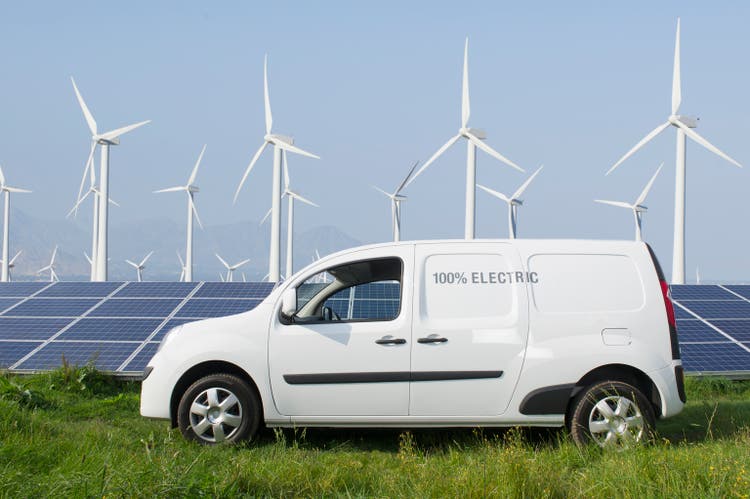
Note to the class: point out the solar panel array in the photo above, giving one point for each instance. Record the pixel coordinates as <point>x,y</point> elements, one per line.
<point>118,325</point>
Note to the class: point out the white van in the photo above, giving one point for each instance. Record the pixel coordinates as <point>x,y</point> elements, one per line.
<point>436,334</point>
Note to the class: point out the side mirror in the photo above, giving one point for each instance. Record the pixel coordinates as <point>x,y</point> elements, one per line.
<point>289,302</point>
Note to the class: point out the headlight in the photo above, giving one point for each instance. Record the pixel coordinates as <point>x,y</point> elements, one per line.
<point>168,337</point>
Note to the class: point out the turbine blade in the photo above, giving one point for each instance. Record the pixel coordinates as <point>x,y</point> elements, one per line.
<point>286,170</point>
<point>653,133</point>
<point>406,179</point>
<point>247,171</point>
<point>288,147</point>
<point>676,85</point>
<point>474,140</point>
<point>122,131</point>
<point>132,263</point>
<point>12,260</point>
<point>238,265</point>
<point>382,191</point>
<point>54,254</point>
<point>643,195</point>
<point>222,260</point>
<point>526,184</point>
<point>88,258</point>
<point>113,202</point>
<point>171,189</point>
<point>87,169</point>
<point>78,203</point>
<point>179,257</point>
<point>694,135</point>
<point>303,199</point>
<point>86,113</point>
<point>266,97</point>
<point>268,214</point>
<point>465,107</point>
<point>16,189</point>
<point>197,164</point>
<point>2,177</point>
<point>619,204</point>
<point>494,193</point>
<point>143,262</point>
<point>195,210</point>
<point>437,154</point>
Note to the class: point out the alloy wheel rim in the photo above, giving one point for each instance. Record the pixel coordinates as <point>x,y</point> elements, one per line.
<point>215,415</point>
<point>616,422</point>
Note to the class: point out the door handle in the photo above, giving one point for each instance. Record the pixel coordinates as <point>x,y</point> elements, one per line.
<point>432,339</point>
<point>385,340</point>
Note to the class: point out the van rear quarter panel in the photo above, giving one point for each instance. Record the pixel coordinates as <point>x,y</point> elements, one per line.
<point>584,288</point>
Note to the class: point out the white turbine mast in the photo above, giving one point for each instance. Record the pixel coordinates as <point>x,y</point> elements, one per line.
<point>514,201</point>
<point>105,140</point>
<point>230,268</point>
<point>6,189</point>
<point>140,266</point>
<point>396,197</point>
<point>684,127</point>
<point>291,196</point>
<point>51,267</point>
<point>280,143</point>
<point>637,206</point>
<point>190,189</point>
<point>474,138</point>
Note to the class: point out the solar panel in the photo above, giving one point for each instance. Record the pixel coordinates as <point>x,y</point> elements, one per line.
<point>6,303</point>
<point>111,329</point>
<point>156,290</point>
<point>139,362</point>
<point>700,292</point>
<point>718,309</point>
<point>80,290</point>
<point>738,329</point>
<point>715,357</point>
<point>52,307</point>
<point>21,289</point>
<point>105,356</point>
<point>205,307</point>
<point>12,351</point>
<point>30,328</point>
<point>258,290</point>
<point>136,307</point>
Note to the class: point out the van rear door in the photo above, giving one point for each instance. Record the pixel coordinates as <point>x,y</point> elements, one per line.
<point>470,328</point>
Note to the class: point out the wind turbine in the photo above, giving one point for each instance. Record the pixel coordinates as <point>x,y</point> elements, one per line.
<point>474,138</point>
<point>182,267</point>
<point>190,189</point>
<point>12,264</point>
<point>291,196</point>
<point>51,267</point>
<point>140,266</point>
<point>513,201</point>
<point>396,199</point>
<point>105,140</point>
<point>637,206</point>
<point>280,143</point>
<point>230,268</point>
<point>684,127</point>
<point>5,188</point>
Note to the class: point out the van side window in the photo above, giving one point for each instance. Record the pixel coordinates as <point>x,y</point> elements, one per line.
<point>357,291</point>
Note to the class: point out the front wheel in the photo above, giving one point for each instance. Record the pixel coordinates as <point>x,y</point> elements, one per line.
<point>219,408</point>
<point>611,414</point>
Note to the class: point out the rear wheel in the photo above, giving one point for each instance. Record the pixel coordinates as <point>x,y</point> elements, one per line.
<point>219,408</point>
<point>612,414</point>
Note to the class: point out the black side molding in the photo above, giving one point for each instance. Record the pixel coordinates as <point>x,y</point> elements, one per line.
<point>387,377</point>
<point>548,400</point>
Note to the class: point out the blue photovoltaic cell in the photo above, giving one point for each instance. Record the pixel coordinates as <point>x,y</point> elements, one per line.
<point>680,313</point>
<point>136,307</point>
<point>13,351</point>
<point>738,329</point>
<point>258,290</point>
<point>52,307</point>
<point>740,289</point>
<point>21,289</point>
<point>719,309</point>
<point>696,330</point>
<point>375,309</point>
<point>106,356</point>
<point>156,290</point>
<point>6,303</point>
<point>171,323</point>
<point>139,362</point>
<point>379,290</point>
<point>700,292</point>
<point>199,308</point>
<point>111,329</point>
<point>714,357</point>
<point>30,328</point>
<point>80,289</point>
<point>341,307</point>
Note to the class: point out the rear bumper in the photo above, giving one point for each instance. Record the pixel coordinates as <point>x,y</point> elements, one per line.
<point>669,389</point>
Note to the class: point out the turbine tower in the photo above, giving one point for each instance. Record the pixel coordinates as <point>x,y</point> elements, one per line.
<point>190,189</point>
<point>51,267</point>
<point>140,266</point>
<point>513,201</point>
<point>396,199</point>
<point>280,143</point>
<point>474,138</point>
<point>182,267</point>
<point>291,196</point>
<point>105,140</point>
<point>12,264</point>
<point>684,127</point>
<point>230,268</point>
<point>5,188</point>
<point>637,206</point>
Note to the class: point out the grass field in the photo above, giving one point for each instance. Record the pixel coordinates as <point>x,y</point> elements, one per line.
<point>76,433</point>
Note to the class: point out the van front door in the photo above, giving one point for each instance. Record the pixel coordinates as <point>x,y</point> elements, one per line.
<point>470,328</point>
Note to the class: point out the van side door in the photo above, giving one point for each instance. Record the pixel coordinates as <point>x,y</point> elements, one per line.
<point>470,328</point>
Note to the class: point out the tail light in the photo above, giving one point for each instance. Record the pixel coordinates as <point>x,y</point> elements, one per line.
<point>666,294</point>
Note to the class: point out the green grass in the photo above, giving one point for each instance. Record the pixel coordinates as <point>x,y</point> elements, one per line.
<point>76,433</point>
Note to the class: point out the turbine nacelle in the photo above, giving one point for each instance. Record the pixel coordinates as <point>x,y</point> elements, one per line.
<point>106,142</point>
<point>688,121</point>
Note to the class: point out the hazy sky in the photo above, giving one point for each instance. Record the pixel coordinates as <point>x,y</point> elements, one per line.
<point>372,87</point>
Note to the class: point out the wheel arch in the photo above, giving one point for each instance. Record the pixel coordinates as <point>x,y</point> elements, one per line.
<point>201,370</point>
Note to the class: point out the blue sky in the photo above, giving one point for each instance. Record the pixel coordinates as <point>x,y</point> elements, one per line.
<point>372,87</point>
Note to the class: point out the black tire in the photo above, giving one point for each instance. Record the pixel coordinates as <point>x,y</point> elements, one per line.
<point>220,408</point>
<point>611,414</point>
